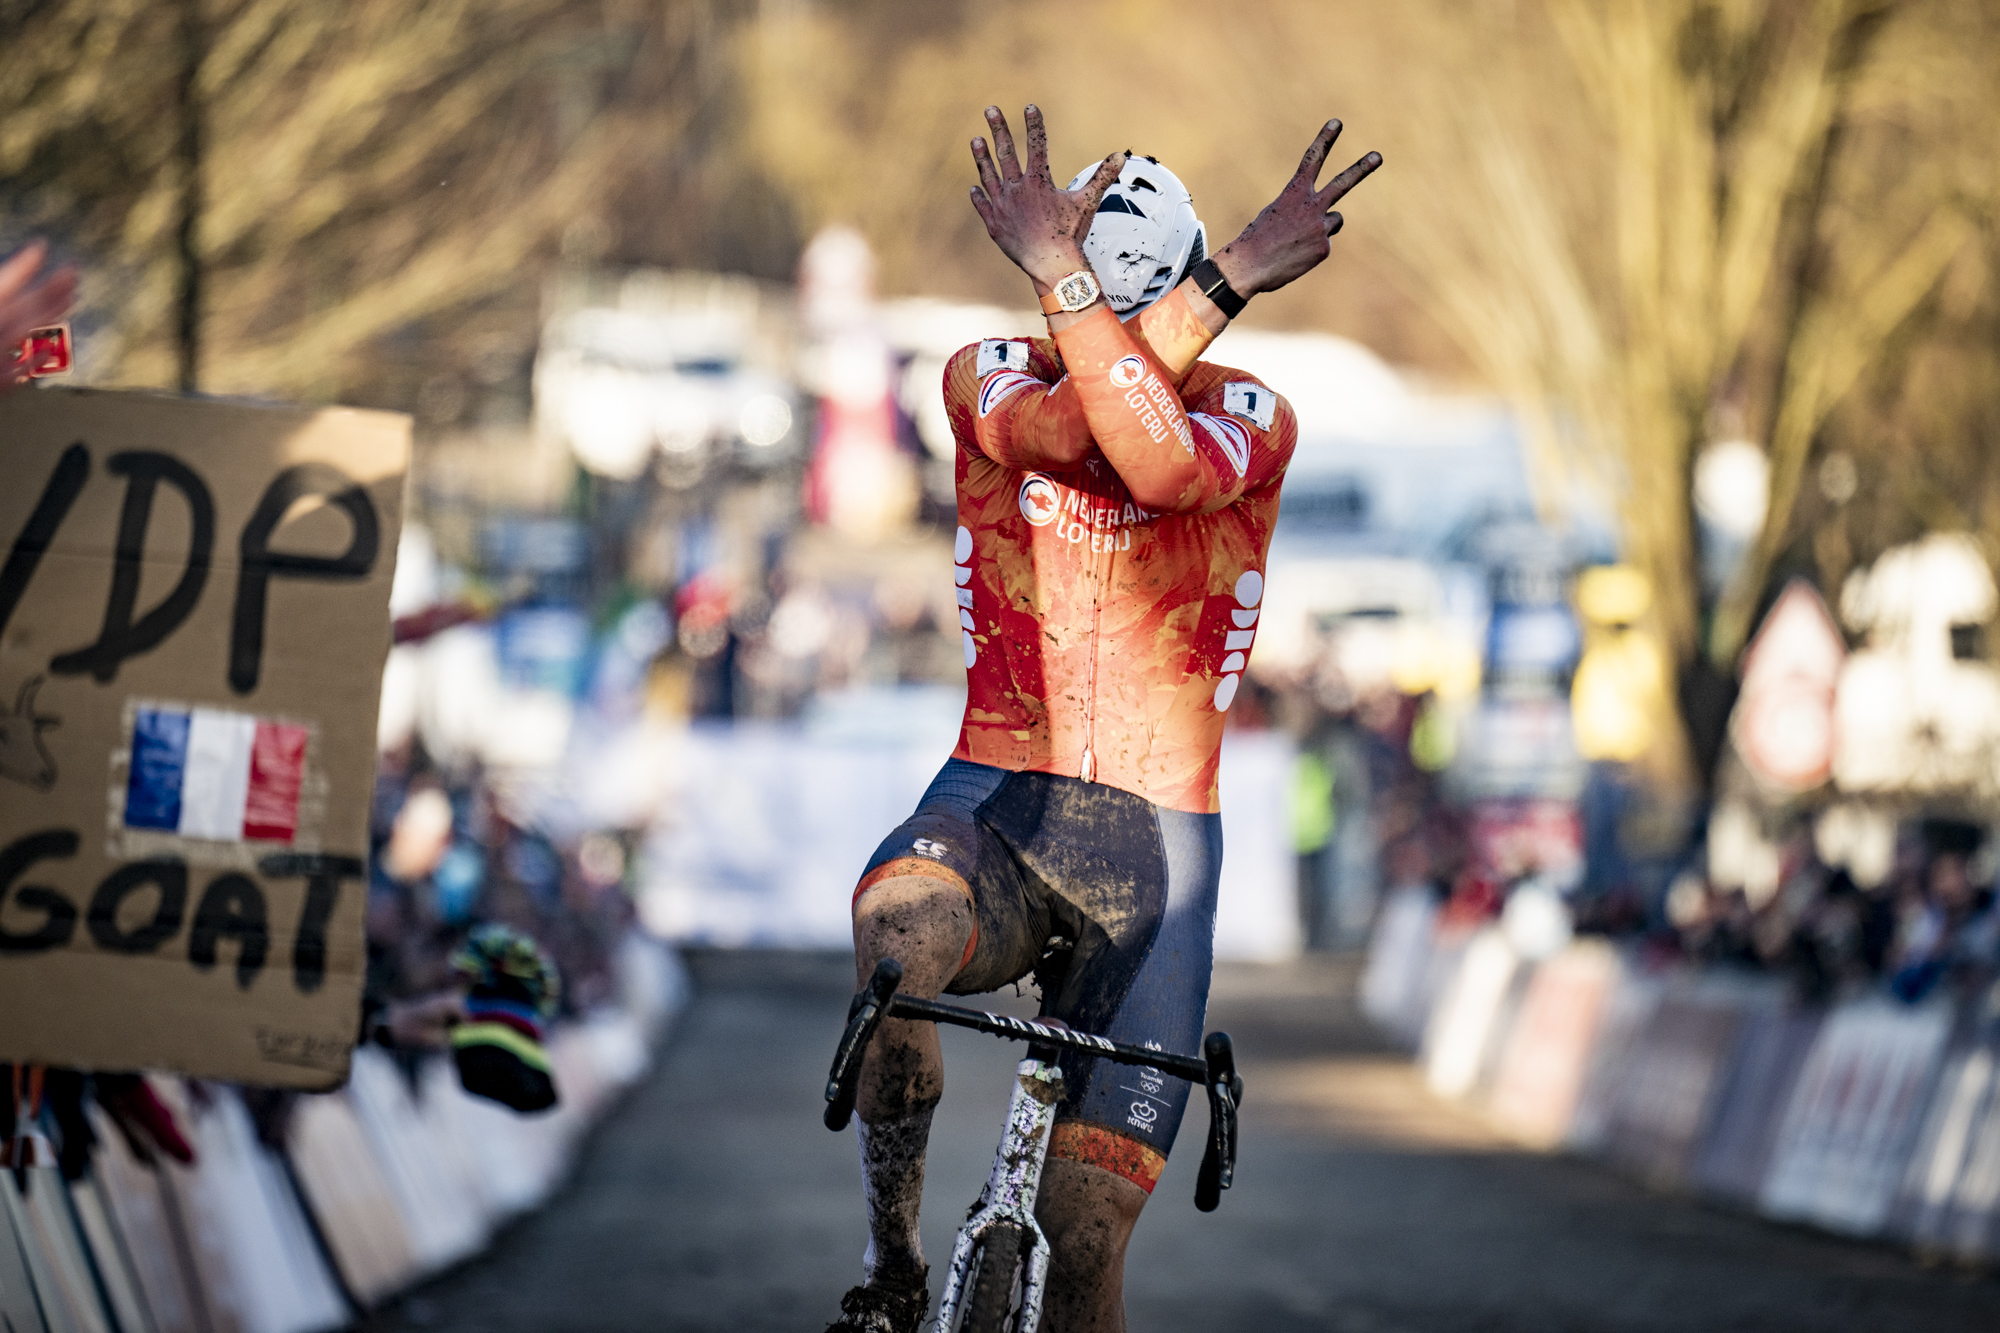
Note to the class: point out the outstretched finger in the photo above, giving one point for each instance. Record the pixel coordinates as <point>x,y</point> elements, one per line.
<point>984,207</point>
<point>1334,222</point>
<point>1101,180</point>
<point>1316,152</point>
<point>1003,144</point>
<point>1349,178</point>
<point>989,177</point>
<point>1038,141</point>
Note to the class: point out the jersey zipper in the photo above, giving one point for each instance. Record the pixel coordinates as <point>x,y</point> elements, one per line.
<point>1087,765</point>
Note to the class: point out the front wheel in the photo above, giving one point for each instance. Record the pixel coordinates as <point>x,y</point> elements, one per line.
<point>996,1282</point>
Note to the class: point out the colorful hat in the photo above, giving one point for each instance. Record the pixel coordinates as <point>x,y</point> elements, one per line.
<point>513,992</point>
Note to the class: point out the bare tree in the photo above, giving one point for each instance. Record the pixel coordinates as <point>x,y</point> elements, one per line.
<point>315,174</point>
<point>1738,263</point>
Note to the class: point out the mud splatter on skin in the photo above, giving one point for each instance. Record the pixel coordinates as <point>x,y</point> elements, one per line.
<point>892,1180</point>
<point>923,923</point>
<point>1088,1214</point>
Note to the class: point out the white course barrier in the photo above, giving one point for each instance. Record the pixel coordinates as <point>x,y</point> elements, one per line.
<point>380,1184</point>
<point>1467,1023</point>
<point>1950,1204</point>
<point>1772,1043</point>
<point>1547,1054</point>
<point>1852,1122</point>
<point>1630,1006</point>
<point>1673,1076</point>
<point>1872,1118</point>
<point>1392,985</point>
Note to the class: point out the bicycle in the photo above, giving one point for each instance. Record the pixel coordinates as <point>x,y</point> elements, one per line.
<point>1001,1256</point>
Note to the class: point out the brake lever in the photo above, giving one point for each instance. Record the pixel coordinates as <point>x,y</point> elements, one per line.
<point>864,1015</point>
<point>1225,1094</point>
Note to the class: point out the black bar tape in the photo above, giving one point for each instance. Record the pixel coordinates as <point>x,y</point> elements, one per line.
<point>1022,1029</point>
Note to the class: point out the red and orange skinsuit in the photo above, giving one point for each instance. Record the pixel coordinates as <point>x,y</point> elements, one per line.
<point>1115,500</point>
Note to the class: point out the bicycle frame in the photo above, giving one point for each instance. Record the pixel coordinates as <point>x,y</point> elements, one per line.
<point>1009,1196</point>
<point>1010,1192</point>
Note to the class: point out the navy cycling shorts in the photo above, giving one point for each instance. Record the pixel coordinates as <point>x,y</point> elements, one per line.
<point>1131,884</point>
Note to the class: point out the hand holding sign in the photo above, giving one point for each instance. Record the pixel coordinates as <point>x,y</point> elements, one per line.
<point>27,305</point>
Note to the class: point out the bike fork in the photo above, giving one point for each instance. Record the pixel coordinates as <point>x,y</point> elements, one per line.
<point>1010,1192</point>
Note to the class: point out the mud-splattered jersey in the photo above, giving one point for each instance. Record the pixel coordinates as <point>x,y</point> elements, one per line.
<point>1113,524</point>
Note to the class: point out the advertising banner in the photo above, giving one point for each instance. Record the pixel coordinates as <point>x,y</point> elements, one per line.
<point>1541,1073</point>
<point>1671,1081</point>
<point>1852,1122</point>
<point>194,613</point>
<point>1771,1047</point>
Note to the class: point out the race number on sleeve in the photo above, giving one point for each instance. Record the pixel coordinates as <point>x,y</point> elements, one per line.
<point>1252,402</point>
<point>1001,354</point>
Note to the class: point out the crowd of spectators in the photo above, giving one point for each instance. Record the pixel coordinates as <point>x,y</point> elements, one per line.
<point>1927,923</point>
<point>447,855</point>
<point>1932,922</point>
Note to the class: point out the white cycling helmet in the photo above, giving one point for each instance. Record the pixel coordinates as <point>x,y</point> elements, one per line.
<point>1145,236</point>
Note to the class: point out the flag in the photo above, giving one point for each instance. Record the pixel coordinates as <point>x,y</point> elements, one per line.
<point>209,773</point>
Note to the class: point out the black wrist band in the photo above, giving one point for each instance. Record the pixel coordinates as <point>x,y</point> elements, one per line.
<point>1217,289</point>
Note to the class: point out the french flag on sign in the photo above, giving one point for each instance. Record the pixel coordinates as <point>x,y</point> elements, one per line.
<point>207,773</point>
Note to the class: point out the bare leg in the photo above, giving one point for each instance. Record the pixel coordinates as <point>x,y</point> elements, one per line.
<point>1088,1214</point>
<point>924,924</point>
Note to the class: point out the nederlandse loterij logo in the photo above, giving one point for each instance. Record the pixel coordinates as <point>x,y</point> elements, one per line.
<point>1128,371</point>
<point>1041,501</point>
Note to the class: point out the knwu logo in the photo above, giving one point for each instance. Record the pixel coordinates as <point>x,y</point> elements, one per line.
<point>1041,499</point>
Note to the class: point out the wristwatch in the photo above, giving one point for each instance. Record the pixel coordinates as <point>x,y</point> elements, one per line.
<point>1073,292</point>
<point>1208,277</point>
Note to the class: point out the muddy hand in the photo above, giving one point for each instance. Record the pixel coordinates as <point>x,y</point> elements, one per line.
<point>1293,233</point>
<point>1037,224</point>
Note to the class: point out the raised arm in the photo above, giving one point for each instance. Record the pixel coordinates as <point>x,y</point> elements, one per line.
<point>1123,387</point>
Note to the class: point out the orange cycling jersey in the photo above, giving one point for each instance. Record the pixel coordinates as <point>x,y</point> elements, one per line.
<point>1115,503</point>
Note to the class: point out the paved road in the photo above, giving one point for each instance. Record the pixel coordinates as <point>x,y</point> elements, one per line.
<point>713,1200</point>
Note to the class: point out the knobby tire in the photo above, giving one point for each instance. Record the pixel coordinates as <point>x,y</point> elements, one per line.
<point>998,1259</point>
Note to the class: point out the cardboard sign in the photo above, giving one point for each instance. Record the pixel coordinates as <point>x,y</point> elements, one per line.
<point>194,614</point>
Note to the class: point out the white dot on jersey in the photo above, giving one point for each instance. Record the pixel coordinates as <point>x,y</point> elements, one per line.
<point>1250,588</point>
<point>1225,693</point>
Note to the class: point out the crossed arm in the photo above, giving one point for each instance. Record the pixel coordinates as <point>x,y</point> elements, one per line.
<point>1121,391</point>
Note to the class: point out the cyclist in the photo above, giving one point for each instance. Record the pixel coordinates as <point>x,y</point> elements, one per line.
<point>1115,500</point>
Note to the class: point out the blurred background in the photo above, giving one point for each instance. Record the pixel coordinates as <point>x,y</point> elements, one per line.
<point>1622,745</point>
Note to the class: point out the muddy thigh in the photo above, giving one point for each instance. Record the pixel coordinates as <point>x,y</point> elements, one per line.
<point>924,923</point>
